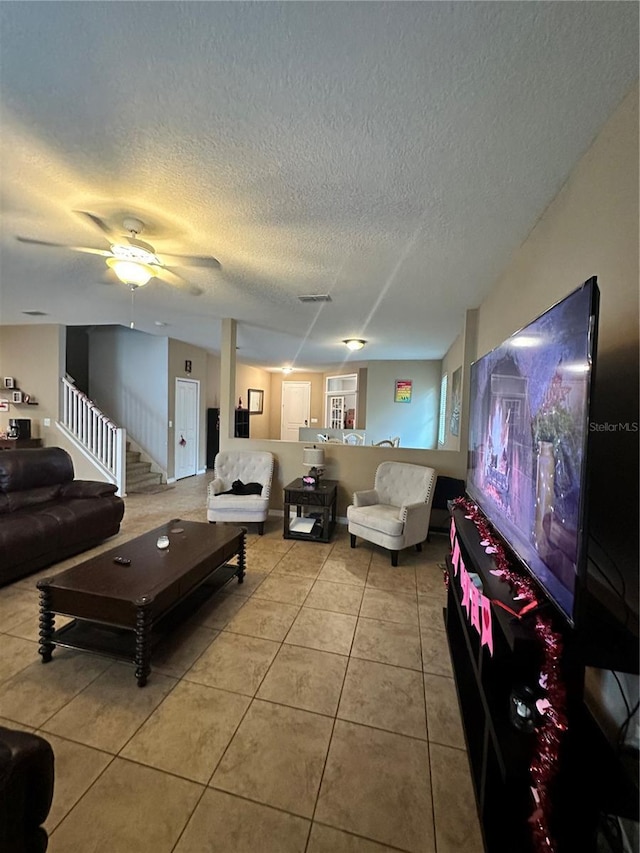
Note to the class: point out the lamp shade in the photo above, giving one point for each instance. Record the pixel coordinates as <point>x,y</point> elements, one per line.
<point>131,272</point>
<point>313,457</point>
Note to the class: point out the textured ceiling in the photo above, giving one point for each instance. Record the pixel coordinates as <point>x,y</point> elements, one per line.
<point>393,155</point>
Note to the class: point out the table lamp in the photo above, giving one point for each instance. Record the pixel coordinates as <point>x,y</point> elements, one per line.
<point>312,458</point>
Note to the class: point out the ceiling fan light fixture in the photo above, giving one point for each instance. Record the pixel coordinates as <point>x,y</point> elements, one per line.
<point>131,272</point>
<point>354,343</point>
<point>287,369</point>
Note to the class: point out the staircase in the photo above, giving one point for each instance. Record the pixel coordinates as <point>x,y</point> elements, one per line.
<point>140,477</point>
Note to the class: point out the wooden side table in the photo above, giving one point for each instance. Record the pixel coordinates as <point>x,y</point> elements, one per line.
<point>317,504</point>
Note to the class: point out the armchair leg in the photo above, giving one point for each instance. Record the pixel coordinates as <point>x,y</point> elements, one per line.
<point>394,558</point>
<point>212,522</point>
<point>260,528</point>
<point>353,540</point>
<point>419,546</point>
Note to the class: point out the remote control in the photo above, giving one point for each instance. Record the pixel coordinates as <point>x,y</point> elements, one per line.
<point>122,561</point>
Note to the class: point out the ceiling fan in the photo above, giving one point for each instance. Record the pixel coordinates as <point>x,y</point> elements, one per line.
<point>132,260</point>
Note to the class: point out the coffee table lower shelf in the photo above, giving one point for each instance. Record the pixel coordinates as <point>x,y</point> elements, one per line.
<point>119,643</point>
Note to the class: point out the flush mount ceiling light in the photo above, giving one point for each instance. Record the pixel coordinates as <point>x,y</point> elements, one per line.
<point>287,369</point>
<point>354,343</point>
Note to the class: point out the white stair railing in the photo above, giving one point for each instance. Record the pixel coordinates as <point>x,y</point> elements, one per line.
<point>103,440</point>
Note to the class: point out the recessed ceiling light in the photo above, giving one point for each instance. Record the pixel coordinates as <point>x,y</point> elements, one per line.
<point>160,323</point>
<point>354,343</point>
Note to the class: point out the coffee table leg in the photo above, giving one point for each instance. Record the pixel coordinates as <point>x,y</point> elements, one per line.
<point>242,556</point>
<point>47,621</point>
<point>143,640</point>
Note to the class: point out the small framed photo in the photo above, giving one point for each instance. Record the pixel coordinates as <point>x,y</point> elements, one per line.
<point>403,391</point>
<point>16,397</point>
<point>4,405</point>
<point>9,382</point>
<point>256,401</point>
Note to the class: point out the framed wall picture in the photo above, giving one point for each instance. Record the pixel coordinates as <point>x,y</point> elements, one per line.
<point>4,405</point>
<point>9,382</point>
<point>403,391</point>
<point>256,401</point>
<point>16,397</point>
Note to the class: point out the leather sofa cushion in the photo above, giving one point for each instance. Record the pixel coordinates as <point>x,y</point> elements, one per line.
<point>87,489</point>
<point>31,469</point>
<point>31,497</point>
<point>27,534</point>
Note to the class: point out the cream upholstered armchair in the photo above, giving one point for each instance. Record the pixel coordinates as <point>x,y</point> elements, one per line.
<point>232,494</point>
<point>395,513</point>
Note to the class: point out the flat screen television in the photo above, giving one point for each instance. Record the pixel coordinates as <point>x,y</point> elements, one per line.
<point>528,437</point>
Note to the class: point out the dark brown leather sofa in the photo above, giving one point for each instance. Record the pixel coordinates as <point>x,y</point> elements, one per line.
<point>26,791</point>
<point>46,515</point>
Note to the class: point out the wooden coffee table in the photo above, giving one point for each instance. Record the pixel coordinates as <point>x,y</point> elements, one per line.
<point>123,610</point>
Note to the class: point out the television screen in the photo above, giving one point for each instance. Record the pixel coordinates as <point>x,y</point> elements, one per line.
<point>528,432</point>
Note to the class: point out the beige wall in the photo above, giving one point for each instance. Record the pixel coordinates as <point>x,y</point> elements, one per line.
<point>34,356</point>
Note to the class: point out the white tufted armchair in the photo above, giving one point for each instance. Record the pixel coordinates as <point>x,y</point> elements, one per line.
<point>248,466</point>
<point>395,513</point>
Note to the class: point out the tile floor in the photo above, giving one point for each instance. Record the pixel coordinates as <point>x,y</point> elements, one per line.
<point>310,709</point>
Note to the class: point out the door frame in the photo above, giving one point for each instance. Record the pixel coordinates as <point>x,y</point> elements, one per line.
<point>196,383</point>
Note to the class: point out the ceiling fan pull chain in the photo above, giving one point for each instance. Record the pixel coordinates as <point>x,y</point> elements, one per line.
<point>132,324</point>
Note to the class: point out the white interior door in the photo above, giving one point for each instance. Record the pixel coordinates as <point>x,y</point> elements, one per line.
<point>296,406</point>
<point>186,428</point>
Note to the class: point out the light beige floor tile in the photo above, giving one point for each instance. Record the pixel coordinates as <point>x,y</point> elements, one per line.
<point>383,696</point>
<point>76,769</point>
<point>320,629</point>
<point>313,552</point>
<point>234,662</point>
<point>325,839</point>
<point>261,560</point>
<point>443,713</point>
<point>249,585</point>
<point>340,570</point>
<point>389,606</point>
<point>108,712</point>
<point>180,649</point>
<point>34,694</point>
<point>262,618</point>
<point>387,642</point>
<point>396,578</point>
<point>288,589</point>
<point>17,604</point>
<point>339,597</point>
<point>16,654</point>
<point>456,819</point>
<point>431,611</point>
<point>376,784</point>
<point>219,610</point>
<point>276,757</point>
<point>130,807</point>
<point>12,724</point>
<point>189,731</point>
<point>435,652</point>
<point>297,565</point>
<point>430,580</point>
<point>227,824</point>
<point>305,678</point>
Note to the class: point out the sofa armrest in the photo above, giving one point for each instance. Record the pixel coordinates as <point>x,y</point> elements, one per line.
<point>368,497</point>
<point>215,487</point>
<point>87,489</point>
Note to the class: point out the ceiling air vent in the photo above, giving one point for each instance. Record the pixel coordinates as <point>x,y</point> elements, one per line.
<point>315,297</point>
<point>36,313</point>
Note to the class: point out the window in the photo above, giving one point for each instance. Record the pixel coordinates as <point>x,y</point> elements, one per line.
<point>442,418</point>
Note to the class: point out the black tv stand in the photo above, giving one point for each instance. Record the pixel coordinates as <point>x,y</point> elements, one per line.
<point>591,780</point>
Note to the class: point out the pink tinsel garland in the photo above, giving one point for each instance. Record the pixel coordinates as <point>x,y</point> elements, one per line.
<point>552,707</point>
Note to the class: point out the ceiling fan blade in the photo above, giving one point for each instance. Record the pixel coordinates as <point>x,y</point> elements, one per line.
<point>192,260</point>
<point>170,277</point>
<point>99,223</point>
<point>103,252</point>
